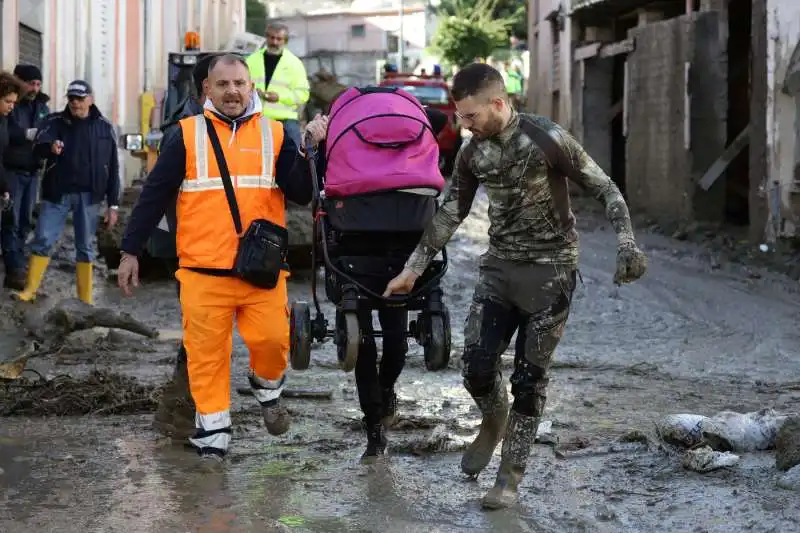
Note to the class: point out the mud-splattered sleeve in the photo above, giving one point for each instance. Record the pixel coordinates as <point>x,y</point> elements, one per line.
<point>592,178</point>
<point>455,207</point>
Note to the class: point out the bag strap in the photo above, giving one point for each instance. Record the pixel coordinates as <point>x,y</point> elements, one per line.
<point>225,175</point>
<point>559,168</point>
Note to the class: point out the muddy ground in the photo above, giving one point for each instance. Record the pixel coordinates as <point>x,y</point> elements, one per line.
<point>697,335</point>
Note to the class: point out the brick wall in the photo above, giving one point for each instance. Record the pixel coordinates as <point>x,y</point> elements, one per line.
<point>661,170</point>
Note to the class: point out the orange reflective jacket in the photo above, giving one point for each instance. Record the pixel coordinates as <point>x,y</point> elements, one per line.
<point>206,234</point>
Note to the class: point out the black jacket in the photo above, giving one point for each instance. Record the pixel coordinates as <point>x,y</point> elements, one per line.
<point>104,171</point>
<point>3,148</point>
<point>26,114</point>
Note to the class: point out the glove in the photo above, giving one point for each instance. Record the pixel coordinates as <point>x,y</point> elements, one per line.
<point>631,263</point>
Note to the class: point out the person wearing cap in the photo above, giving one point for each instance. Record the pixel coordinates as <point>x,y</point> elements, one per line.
<point>176,410</point>
<point>22,166</point>
<point>82,171</point>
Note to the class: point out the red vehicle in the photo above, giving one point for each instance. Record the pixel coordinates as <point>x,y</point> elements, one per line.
<point>433,91</point>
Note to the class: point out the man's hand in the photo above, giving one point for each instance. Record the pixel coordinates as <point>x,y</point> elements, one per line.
<point>57,147</point>
<point>128,273</point>
<point>631,263</point>
<point>402,284</point>
<point>317,129</point>
<point>5,201</point>
<point>111,218</point>
<point>272,97</point>
<point>30,134</point>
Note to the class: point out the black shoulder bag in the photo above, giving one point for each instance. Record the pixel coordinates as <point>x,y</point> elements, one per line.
<point>263,248</point>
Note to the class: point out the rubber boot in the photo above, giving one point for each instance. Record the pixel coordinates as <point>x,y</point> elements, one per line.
<point>376,442</point>
<point>517,444</point>
<point>83,272</point>
<point>494,407</point>
<point>36,269</point>
<point>176,411</point>
<point>276,418</point>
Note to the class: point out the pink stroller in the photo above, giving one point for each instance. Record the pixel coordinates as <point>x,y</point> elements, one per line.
<point>376,182</point>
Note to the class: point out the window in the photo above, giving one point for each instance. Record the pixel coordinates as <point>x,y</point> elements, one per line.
<point>392,43</point>
<point>427,94</point>
<point>358,30</point>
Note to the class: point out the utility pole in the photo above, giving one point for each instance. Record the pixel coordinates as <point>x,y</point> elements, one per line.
<point>401,49</point>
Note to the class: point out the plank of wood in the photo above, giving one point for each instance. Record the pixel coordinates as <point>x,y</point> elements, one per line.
<point>722,162</point>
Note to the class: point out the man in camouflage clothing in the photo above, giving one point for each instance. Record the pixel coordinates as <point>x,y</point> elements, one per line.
<point>528,275</point>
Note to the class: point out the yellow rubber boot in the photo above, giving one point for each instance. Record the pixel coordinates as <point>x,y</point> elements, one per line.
<point>36,269</point>
<point>84,279</point>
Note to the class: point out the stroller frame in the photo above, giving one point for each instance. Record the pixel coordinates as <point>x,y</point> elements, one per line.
<point>431,330</point>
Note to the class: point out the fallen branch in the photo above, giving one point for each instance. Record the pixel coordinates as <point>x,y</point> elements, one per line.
<point>308,394</point>
<point>71,315</point>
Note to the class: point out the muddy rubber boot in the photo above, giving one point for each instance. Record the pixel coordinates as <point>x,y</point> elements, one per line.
<point>212,461</point>
<point>276,417</point>
<point>389,401</point>
<point>517,444</point>
<point>36,269</point>
<point>376,443</point>
<point>494,407</point>
<point>176,411</point>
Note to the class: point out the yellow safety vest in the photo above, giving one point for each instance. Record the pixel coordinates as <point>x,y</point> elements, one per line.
<point>289,81</point>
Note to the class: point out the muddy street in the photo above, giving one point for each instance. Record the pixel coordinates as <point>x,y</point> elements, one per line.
<point>692,337</point>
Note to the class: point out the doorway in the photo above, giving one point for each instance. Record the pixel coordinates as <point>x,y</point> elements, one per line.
<point>737,176</point>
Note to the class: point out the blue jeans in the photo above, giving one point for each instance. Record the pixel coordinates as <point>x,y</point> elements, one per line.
<point>51,225</point>
<point>23,187</point>
<point>291,129</point>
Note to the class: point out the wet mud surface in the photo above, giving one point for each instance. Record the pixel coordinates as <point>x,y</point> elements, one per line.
<point>693,337</point>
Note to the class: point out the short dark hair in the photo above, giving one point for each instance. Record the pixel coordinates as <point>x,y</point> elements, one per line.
<point>200,72</point>
<point>226,59</point>
<point>476,78</point>
<point>10,84</point>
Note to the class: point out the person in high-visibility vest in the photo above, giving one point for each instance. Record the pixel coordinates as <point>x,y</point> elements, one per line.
<point>281,80</point>
<point>262,169</point>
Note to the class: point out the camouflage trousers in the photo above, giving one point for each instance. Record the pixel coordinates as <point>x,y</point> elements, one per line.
<point>530,299</point>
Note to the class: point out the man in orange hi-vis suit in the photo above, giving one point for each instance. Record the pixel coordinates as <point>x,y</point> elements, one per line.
<point>264,165</point>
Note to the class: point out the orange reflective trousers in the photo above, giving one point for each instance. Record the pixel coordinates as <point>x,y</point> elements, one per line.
<point>209,305</point>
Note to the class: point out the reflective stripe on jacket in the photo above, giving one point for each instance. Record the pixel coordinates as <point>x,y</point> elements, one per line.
<point>206,236</point>
<point>289,82</point>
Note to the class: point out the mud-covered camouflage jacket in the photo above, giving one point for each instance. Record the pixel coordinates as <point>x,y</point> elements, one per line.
<point>529,215</point>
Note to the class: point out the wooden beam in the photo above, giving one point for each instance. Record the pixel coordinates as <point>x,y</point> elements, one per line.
<point>722,162</point>
<point>615,110</point>
<point>614,49</point>
<point>603,50</point>
<point>586,52</point>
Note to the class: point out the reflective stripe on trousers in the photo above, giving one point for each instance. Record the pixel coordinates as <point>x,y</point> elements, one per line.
<point>210,304</point>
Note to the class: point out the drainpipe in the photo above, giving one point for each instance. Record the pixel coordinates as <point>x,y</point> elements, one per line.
<point>401,49</point>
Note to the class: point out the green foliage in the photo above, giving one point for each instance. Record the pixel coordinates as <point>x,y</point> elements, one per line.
<point>516,11</point>
<point>469,29</point>
<point>256,17</point>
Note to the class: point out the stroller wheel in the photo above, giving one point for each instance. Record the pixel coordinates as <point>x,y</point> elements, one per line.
<point>349,352</point>
<point>437,349</point>
<point>300,336</point>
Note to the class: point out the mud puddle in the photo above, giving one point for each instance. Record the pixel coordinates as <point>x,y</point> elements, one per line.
<point>686,339</point>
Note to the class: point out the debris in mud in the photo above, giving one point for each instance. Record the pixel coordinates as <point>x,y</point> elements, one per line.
<point>405,423</point>
<point>787,444</point>
<point>704,459</point>
<point>791,479</point>
<point>439,440</point>
<point>307,394</point>
<point>99,393</point>
<point>596,451</point>
<point>71,315</point>
<point>725,431</point>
